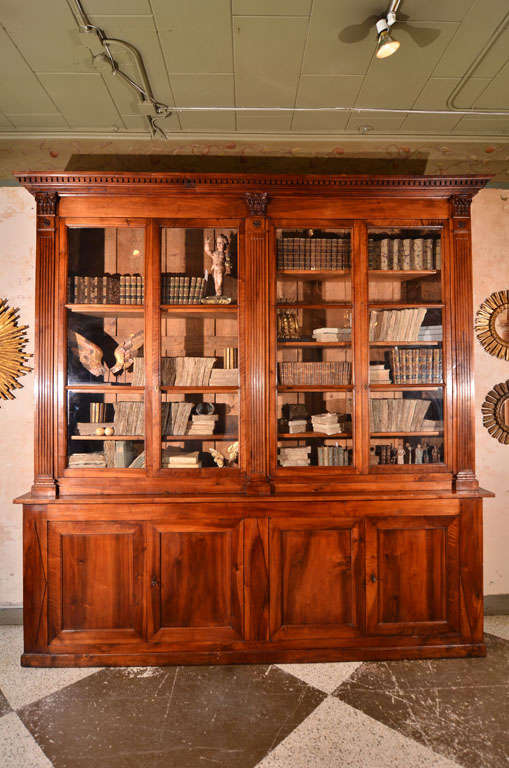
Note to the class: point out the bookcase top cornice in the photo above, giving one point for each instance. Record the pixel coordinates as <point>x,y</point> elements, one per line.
<point>361,185</point>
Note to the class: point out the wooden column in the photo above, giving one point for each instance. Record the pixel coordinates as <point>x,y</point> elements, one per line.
<point>254,319</point>
<point>45,288</point>
<point>462,324</point>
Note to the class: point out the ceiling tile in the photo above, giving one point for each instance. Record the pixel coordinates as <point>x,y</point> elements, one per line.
<point>271,7</point>
<point>203,90</point>
<point>377,122</point>
<point>269,46</point>
<point>140,123</point>
<point>265,91</point>
<point>319,122</point>
<point>207,121</point>
<point>495,126</point>
<point>20,91</point>
<point>496,95</point>
<point>46,34</point>
<point>473,33</point>
<point>263,122</point>
<point>33,120</point>
<point>4,122</point>
<point>328,90</point>
<point>326,52</point>
<point>429,123</point>
<point>195,47</point>
<point>117,7</point>
<point>435,10</point>
<point>437,90</point>
<point>83,99</point>
<point>393,82</point>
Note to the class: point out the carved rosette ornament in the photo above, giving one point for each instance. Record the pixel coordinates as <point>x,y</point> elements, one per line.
<point>46,210</point>
<point>495,412</point>
<point>494,310</point>
<point>13,341</point>
<point>461,205</point>
<point>257,203</point>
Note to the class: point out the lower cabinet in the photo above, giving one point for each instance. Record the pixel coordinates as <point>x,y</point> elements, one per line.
<point>259,583</point>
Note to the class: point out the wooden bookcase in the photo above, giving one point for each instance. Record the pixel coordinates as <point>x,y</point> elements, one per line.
<point>356,534</point>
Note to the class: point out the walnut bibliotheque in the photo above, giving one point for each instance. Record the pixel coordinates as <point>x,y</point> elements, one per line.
<point>271,460</point>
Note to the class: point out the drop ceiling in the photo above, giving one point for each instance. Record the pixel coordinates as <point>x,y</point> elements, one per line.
<point>253,54</point>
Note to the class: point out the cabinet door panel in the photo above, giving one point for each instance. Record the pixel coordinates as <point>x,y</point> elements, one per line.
<point>412,574</point>
<point>95,575</point>
<point>196,581</point>
<point>315,581</point>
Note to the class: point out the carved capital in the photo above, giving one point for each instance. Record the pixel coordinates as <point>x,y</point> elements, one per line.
<point>257,203</point>
<point>461,205</point>
<point>46,203</point>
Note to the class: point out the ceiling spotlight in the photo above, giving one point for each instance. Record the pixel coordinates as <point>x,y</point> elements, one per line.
<point>386,43</point>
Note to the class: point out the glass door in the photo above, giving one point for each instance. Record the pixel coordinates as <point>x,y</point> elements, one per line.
<point>312,337</point>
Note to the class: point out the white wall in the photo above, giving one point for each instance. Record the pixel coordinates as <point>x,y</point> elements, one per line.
<point>490,234</point>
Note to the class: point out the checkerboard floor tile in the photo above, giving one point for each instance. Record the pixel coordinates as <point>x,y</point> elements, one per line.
<point>424,714</point>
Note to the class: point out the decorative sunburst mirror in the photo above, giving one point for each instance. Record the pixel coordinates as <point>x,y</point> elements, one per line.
<point>13,340</point>
<point>492,324</point>
<point>495,412</point>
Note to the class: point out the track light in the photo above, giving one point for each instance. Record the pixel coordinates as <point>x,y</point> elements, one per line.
<point>386,43</point>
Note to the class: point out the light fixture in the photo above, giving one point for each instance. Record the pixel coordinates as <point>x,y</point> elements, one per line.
<point>386,43</point>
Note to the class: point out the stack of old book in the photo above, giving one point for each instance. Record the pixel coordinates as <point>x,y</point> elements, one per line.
<point>175,417</point>
<point>174,458</point>
<point>297,425</point>
<point>405,253</point>
<point>332,334</point>
<point>333,456</point>
<point>129,418</point>
<point>182,289</point>
<point>326,423</point>
<point>430,333</point>
<point>203,424</point>
<point>87,460</point>
<point>379,374</point>
<point>330,372</point>
<point>397,415</point>
<point>320,253</point>
<point>107,289</point>
<point>294,457</point>
<point>224,377</point>
<point>186,371</point>
<point>395,324</point>
<point>416,366</point>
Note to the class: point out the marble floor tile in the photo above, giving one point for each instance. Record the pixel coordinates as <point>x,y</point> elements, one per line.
<point>20,685</point>
<point>497,625</point>
<point>170,717</point>
<point>17,747</point>
<point>4,705</point>
<point>336,735</point>
<point>325,677</point>
<point>457,707</point>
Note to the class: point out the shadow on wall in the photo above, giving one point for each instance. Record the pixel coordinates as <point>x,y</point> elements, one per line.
<point>230,164</point>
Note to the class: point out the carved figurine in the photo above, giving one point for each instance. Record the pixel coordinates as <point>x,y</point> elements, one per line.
<point>124,352</point>
<point>435,454</point>
<point>409,451</point>
<point>401,455</point>
<point>232,453</point>
<point>88,353</point>
<point>418,454</point>
<point>221,263</point>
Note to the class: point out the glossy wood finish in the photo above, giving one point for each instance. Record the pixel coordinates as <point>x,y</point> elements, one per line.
<point>256,563</point>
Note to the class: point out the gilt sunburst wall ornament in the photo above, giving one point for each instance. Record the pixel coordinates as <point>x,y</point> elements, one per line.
<point>492,324</point>
<point>495,412</point>
<point>13,340</point>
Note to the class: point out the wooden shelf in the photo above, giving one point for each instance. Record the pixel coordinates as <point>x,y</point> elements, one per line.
<point>209,438</point>
<point>403,387</point>
<point>291,344</point>
<point>315,387</point>
<point>324,305</point>
<point>107,310</point>
<point>314,436</point>
<point>405,343</point>
<point>405,305</point>
<point>313,274</point>
<point>108,437</point>
<point>200,310</point>
<point>103,388</point>
<point>429,433</point>
<point>198,389</point>
<point>389,274</point>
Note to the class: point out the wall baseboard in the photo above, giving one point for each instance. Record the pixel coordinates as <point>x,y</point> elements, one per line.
<point>494,605</point>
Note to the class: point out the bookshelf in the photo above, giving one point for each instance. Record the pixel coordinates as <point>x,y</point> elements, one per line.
<point>254,420</point>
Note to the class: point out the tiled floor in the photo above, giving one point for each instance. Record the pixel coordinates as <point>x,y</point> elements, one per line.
<point>407,714</point>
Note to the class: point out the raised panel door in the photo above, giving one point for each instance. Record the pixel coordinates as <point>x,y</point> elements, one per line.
<point>315,578</point>
<point>412,574</point>
<point>95,582</point>
<point>196,581</point>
